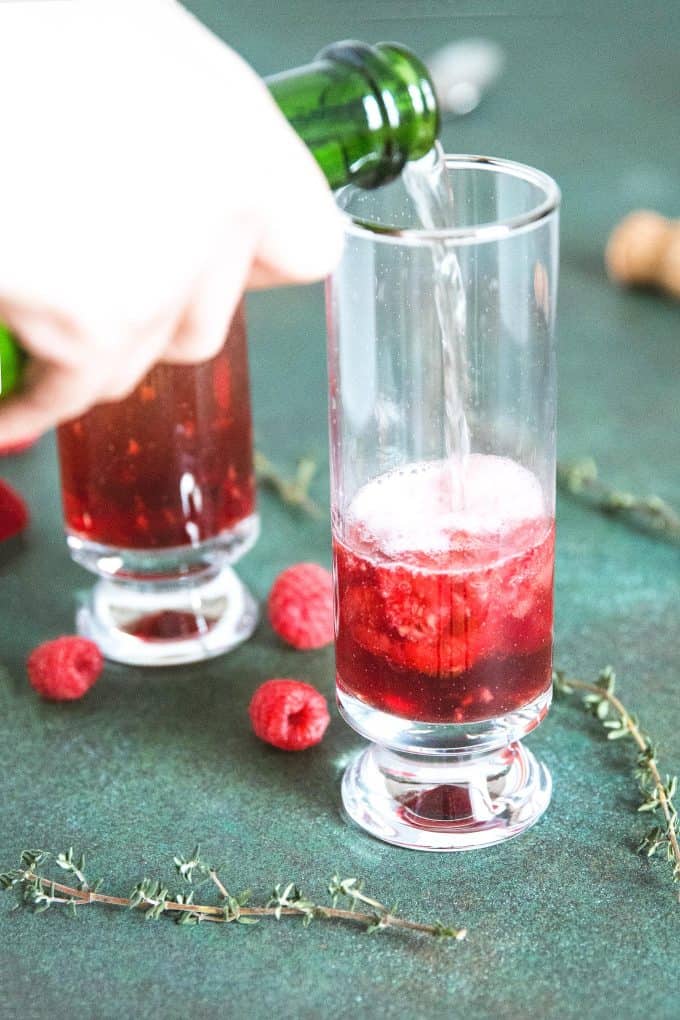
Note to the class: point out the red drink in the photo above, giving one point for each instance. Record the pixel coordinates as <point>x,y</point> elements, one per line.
<point>170,465</point>
<point>445,615</point>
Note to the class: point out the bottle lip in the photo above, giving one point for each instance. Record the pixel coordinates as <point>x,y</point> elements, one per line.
<point>476,233</point>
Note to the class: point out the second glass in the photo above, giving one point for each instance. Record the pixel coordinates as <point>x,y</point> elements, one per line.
<point>442,414</point>
<point>159,498</point>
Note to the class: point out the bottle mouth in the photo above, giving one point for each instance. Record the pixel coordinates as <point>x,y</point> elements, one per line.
<point>401,106</point>
<point>505,198</point>
<point>415,81</point>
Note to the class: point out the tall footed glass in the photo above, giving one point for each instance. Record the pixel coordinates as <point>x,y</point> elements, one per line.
<point>442,415</point>
<point>159,500</point>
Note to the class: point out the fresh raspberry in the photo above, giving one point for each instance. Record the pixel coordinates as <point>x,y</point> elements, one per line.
<point>11,449</point>
<point>289,714</point>
<point>301,606</point>
<point>64,669</point>
<point>14,514</point>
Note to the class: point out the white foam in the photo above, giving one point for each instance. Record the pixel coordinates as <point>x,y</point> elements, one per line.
<point>415,508</point>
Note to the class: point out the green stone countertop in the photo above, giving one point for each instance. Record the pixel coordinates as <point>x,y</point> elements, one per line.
<point>564,922</point>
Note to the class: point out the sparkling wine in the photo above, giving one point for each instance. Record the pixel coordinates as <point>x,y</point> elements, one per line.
<point>445,614</point>
<point>427,183</point>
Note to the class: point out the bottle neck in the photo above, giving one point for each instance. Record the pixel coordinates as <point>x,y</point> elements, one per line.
<point>363,111</point>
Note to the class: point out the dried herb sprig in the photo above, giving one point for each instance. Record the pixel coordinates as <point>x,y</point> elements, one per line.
<point>657,793</point>
<point>649,513</point>
<point>155,900</point>
<point>293,492</point>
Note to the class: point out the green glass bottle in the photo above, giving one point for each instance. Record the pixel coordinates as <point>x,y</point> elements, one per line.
<point>363,111</point>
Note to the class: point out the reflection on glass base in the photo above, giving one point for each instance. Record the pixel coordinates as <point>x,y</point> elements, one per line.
<point>434,804</point>
<point>164,624</point>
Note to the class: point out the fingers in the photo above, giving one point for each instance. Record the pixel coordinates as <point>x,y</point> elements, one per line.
<point>274,176</point>
<point>50,390</point>
<point>202,328</point>
<point>132,365</point>
<point>72,366</point>
<point>51,395</point>
<point>302,235</point>
<point>264,276</point>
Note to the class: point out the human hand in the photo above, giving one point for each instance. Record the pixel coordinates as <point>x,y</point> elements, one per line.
<point>148,178</point>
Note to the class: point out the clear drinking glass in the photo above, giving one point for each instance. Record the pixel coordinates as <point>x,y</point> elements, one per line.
<point>158,493</point>
<point>442,474</point>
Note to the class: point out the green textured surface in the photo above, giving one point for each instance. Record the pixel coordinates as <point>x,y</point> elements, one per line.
<point>564,922</point>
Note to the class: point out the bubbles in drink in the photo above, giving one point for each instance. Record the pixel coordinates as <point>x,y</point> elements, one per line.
<point>410,510</point>
<point>445,612</point>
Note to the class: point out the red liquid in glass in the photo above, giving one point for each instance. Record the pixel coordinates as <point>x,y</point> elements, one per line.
<point>171,464</point>
<point>447,618</point>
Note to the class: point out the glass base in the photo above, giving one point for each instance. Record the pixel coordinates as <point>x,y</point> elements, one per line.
<point>164,624</point>
<point>175,564</point>
<point>445,786</point>
<point>442,740</point>
<point>426,803</point>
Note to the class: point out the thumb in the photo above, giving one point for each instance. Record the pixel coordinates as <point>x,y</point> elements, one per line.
<point>302,228</point>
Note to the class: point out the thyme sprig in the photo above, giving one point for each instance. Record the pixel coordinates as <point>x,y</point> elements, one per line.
<point>657,792</point>
<point>294,492</point>
<point>649,513</point>
<point>155,900</point>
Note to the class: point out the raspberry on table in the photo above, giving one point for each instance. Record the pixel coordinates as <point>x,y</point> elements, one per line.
<point>289,714</point>
<point>14,515</point>
<point>64,669</point>
<point>301,606</point>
